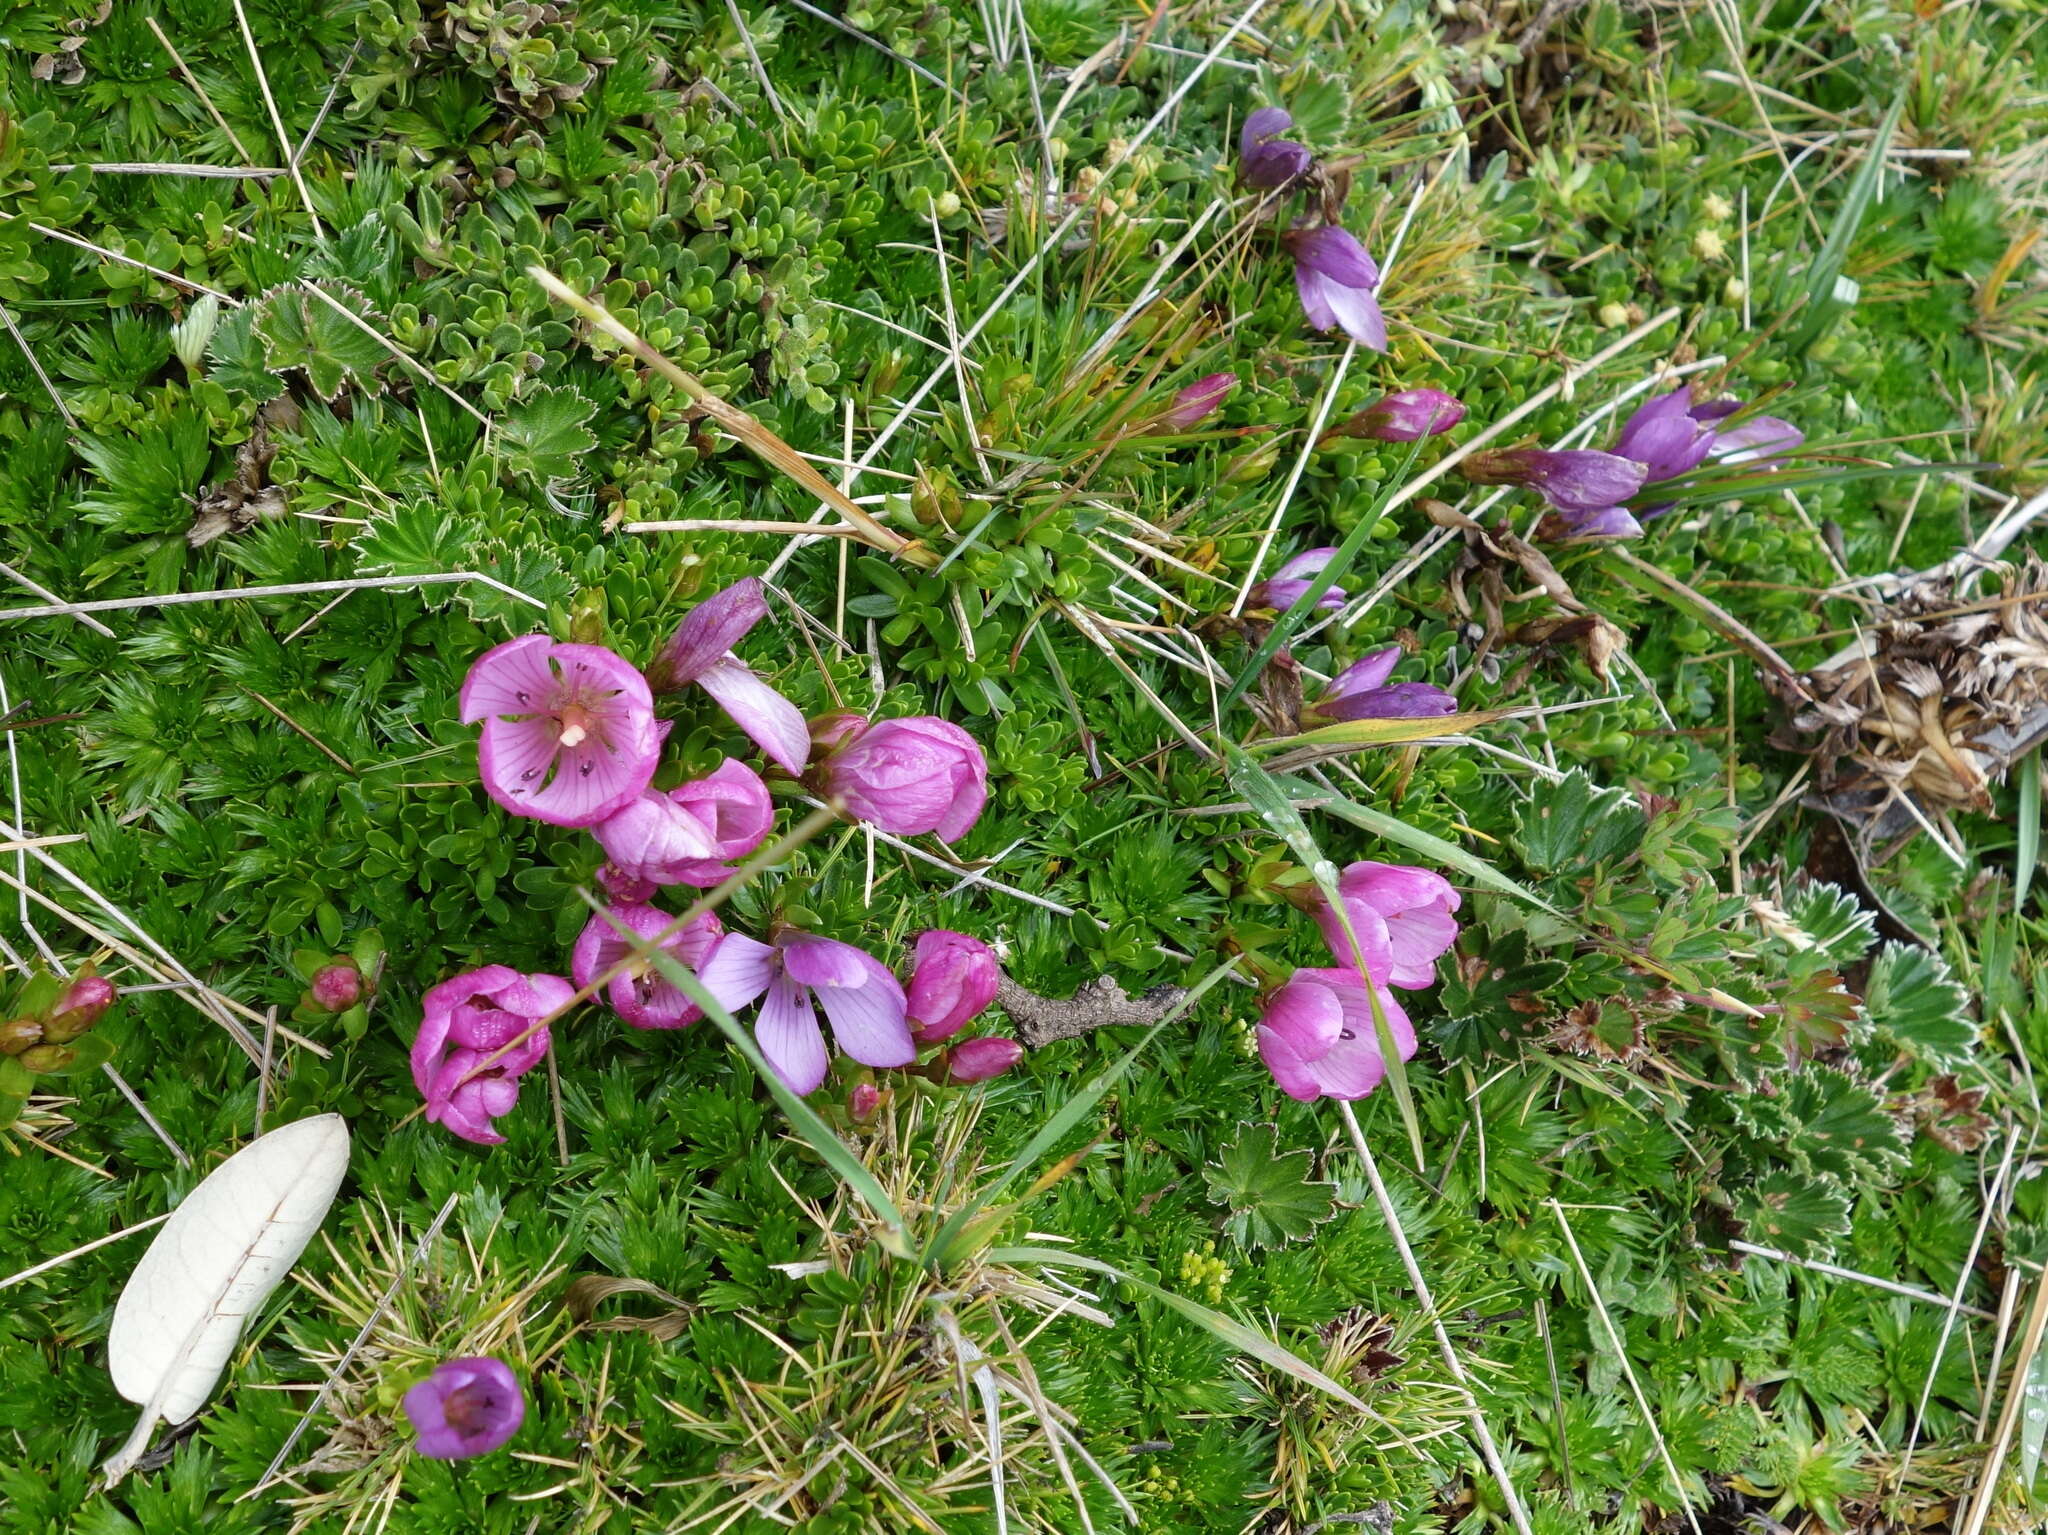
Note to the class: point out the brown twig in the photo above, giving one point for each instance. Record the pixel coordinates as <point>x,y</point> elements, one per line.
<point>1099,1004</point>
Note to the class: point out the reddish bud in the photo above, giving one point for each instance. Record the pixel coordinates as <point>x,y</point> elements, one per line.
<point>976,1060</point>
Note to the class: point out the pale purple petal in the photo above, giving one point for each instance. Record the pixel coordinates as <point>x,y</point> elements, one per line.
<point>1759,440</point>
<point>739,970</point>
<point>1262,125</point>
<point>1415,939</point>
<point>1335,254</point>
<point>514,678</point>
<point>708,633</point>
<point>1369,671</point>
<point>771,721</point>
<point>867,1015</point>
<point>823,961</point>
<point>1310,562</point>
<point>1315,289</point>
<point>1358,312</point>
<point>787,1031</point>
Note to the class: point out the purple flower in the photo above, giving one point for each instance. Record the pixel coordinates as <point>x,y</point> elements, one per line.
<point>1266,160</point>
<point>1361,692</point>
<point>1608,522</point>
<point>859,995</point>
<point>337,986</point>
<point>687,836</point>
<point>1408,416</point>
<point>1290,583</point>
<point>1336,278</point>
<point>1318,1039</point>
<point>909,776</point>
<point>952,978</point>
<point>81,1006</point>
<point>464,1021</point>
<point>1197,403</point>
<point>976,1060</point>
<point>700,651</point>
<point>1758,440</point>
<point>1402,917</point>
<point>642,995</point>
<point>466,1407</point>
<point>1570,479</point>
<point>569,730</point>
<point>1667,435</point>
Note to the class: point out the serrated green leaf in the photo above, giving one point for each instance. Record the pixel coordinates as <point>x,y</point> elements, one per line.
<point>1912,997</point>
<point>1842,1126</point>
<point>301,332</point>
<point>1272,1198</point>
<point>544,435</point>
<point>1833,922</point>
<point>1794,1211</point>
<point>418,539</point>
<point>1574,822</point>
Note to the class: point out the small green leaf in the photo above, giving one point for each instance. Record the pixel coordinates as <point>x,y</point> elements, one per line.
<point>1912,997</point>
<point>544,435</point>
<point>88,1052</point>
<point>1794,1211</point>
<point>1271,1196</point>
<point>1574,823</point>
<point>302,332</point>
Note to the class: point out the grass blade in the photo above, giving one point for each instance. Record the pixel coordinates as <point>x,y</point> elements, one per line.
<point>1244,1339</point>
<point>2029,852</point>
<point>1268,797</point>
<point>1822,304</point>
<point>1056,1128</point>
<point>1391,732</point>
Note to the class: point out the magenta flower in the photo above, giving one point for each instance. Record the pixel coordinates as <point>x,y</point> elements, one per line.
<point>909,776</point>
<point>81,1005</point>
<point>859,995</point>
<point>1336,279</point>
<point>1581,480</point>
<point>1408,416</point>
<point>1402,917</point>
<point>976,1060</point>
<point>466,1407</point>
<point>1318,1039</point>
<point>687,836</point>
<point>1196,403</point>
<point>952,978</point>
<point>466,1019</point>
<point>1290,583</point>
<point>642,995</point>
<point>336,986</point>
<point>569,730</point>
<point>700,651</point>
<point>1266,160</point>
<point>1361,692</point>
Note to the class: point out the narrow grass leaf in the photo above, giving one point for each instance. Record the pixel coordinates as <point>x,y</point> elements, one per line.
<point>1389,732</point>
<point>1244,1339</point>
<point>1821,303</point>
<point>2029,851</point>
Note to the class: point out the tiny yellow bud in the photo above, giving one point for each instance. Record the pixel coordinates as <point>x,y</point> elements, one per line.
<point>1708,245</point>
<point>1613,316</point>
<point>1734,290</point>
<point>1716,208</point>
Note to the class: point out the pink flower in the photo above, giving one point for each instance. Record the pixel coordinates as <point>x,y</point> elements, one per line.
<point>1290,583</point>
<point>81,1006</point>
<point>1407,416</point>
<point>465,1020</point>
<point>859,995</point>
<point>976,1060</point>
<point>1336,279</point>
<point>466,1407</point>
<point>952,978</point>
<point>1574,480</point>
<point>642,995</point>
<point>1402,917</point>
<point>686,836</point>
<point>1318,1039</point>
<point>569,730</point>
<point>700,651</point>
<point>909,776</point>
<point>1197,403</point>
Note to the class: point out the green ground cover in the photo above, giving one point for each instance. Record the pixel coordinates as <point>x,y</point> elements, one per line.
<point>1694,1039</point>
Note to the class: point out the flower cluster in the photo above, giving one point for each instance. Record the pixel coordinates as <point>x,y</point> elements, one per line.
<point>1321,1033</point>
<point>570,737</point>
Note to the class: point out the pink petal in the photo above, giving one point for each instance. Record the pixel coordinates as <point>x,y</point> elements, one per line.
<point>1415,939</point>
<point>867,1019</point>
<point>513,678</point>
<point>771,721</point>
<point>594,779</point>
<point>1313,288</point>
<point>1368,926</point>
<point>824,961</point>
<point>1394,887</point>
<point>788,1033</point>
<point>1305,1014</point>
<point>1294,1075</point>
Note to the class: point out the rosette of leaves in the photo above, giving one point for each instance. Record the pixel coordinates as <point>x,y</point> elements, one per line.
<point>38,1039</point>
<point>1272,1194</point>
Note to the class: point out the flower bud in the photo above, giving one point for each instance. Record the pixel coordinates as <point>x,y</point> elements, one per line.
<point>910,776</point>
<point>1407,416</point>
<point>17,1034</point>
<point>976,1060</point>
<point>83,1002</point>
<point>1197,403</point>
<point>952,978</point>
<point>862,1102</point>
<point>48,1057</point>
<point>337,986</point>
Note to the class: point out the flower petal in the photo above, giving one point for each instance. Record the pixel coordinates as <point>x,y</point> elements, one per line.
<point>788,1033</point>
<point>739,970</point>
<point>771,721</point>
<point>1358,312</point>
<point>514,678</point>
<point>708,633</point>
<point>1314,290</point>
<point>867,1018</point>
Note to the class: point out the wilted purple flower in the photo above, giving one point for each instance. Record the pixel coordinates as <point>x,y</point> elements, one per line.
<point>569,730</point>
<point>1290,583</point>
<point>909,776</point>
<point>952,978</point>
<point>1361,692</point>
<point>466,1407</point>
<point>1401,916</point>
<point>1570,479</point>
<point>687,836</point>
<point>1266,160</point>
<point>642,995</point>
<point>1197,403</point>
<point>1407,416</point>
<point>337,986</point>
<point>1336,278</point>
<point>978,1059</point>
<point>700,651</point>
<point>859,995</point>
<point>465,1020</point>
<point>1318,1038</point>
